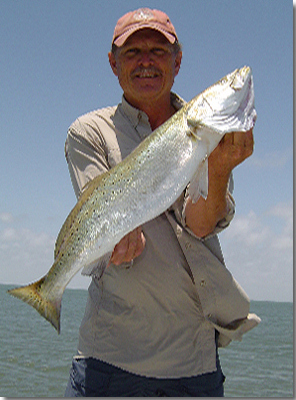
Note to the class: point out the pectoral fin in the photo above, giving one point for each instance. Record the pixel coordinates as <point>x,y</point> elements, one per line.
<point>199,184</point>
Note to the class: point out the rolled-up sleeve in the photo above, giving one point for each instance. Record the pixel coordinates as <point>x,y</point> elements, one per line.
<point>179,209</point>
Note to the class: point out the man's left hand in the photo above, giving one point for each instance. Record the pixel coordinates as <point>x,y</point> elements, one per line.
<point>203,216</point>
<point>232,150</point>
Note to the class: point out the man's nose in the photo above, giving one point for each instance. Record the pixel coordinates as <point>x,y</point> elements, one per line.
<point>146,58</point>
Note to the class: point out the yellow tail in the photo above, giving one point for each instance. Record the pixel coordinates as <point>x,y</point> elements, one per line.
<point>33,295</point>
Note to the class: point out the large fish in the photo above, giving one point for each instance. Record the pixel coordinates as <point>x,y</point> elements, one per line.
<point>143,186</point>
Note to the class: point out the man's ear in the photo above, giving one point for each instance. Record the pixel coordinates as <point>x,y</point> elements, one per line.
<point>178,60</point>
<point>113,63</point>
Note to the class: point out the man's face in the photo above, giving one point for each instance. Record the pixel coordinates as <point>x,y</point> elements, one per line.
<point>146,66</point>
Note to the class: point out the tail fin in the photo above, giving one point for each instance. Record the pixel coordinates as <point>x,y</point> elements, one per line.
<point>33,294</point>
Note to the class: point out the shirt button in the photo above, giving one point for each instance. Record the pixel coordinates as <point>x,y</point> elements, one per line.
<point>187,245</point>
<point>202,283</point>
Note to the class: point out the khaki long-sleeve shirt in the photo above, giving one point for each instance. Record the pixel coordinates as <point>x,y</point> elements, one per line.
<point>156,316</point>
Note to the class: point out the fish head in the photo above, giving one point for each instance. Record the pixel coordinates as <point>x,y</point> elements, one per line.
<point>226,106</point>
<point>238,78</point>
<point>231,89</point>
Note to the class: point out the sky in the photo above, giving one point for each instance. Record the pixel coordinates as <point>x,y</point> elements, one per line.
<point>54,68</point>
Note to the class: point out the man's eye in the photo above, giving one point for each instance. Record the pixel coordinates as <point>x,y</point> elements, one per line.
<point>158,52</point>
<point>131,52</point>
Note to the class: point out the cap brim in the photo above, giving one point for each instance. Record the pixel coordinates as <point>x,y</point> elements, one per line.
<point>120,40</point>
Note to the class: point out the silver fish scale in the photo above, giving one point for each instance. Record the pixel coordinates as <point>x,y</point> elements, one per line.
<point>144,182</point>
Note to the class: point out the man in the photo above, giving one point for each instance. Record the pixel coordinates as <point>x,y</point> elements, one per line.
<point>155,318</point>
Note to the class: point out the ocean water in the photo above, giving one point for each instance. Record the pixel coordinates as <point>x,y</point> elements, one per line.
<point>35,360</point>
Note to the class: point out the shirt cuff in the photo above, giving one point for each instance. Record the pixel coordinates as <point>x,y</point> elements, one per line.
<point>221,225</point>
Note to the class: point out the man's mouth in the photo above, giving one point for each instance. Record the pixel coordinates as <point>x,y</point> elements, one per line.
<point>146,73</point>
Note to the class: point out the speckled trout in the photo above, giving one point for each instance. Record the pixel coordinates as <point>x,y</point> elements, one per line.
<point>145,184</point>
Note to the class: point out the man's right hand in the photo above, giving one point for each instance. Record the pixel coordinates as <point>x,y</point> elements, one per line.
<point>130,247</point>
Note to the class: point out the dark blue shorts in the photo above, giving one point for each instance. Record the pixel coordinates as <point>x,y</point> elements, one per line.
<point>90,377</point>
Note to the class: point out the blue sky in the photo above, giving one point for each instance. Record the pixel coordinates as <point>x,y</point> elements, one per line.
<point>54,67</point>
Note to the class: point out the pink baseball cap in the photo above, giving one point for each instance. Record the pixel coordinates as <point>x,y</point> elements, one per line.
<point>140,19</point>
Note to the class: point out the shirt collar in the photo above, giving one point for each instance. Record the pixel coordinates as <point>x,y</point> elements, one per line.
<point>135,115</point>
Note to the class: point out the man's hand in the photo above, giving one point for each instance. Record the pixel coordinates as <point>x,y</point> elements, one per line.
<point>232,150</point>
<point>202,217</point>
<point>130,247</point>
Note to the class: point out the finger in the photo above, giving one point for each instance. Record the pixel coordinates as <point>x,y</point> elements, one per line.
<point>226,139</point>
<point>239,139</point>
<point>119,251</point>
<point>244,144</point>
<point>249,143</point>
<point>132,245</point>
<point>141,242</point>
<point>229,139</point>
<point>128,248</point>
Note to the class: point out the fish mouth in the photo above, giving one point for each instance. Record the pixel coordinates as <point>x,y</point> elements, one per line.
<point>240,77</point>
<point>245,71</point>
